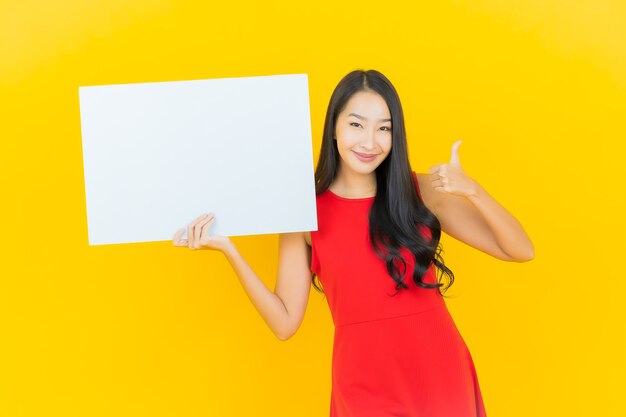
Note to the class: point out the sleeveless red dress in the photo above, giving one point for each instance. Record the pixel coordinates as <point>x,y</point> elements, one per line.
<point>399,356</point>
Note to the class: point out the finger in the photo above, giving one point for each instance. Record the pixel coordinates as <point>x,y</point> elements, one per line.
<point>178,235</point>
<point>199,229</point>
<point>190,231</point>
<point>439,173</point>
<point>190,235</point>
<point>205,237</point>
<point>454,157</point>
<point>439,179</point>
<point>434,169</point>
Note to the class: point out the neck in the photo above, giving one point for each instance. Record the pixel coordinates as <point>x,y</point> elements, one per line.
<point>354,185</point>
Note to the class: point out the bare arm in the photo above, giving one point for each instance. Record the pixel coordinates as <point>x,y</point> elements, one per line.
<point>468,213</point>
<point>283,309</point>
<point>481,222</point>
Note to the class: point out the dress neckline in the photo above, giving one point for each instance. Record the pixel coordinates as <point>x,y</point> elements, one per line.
<point>360,199</point>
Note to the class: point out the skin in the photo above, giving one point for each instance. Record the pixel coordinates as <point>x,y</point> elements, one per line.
<point>465,210</point>
<point>364,126</point>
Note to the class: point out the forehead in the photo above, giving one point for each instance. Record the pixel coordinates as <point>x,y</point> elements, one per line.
<point>369,104</point>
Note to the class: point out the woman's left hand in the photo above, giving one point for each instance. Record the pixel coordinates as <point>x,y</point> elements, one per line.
<point>450,178</point>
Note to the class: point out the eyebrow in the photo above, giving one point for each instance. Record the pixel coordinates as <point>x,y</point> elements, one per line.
<point>365,118</point>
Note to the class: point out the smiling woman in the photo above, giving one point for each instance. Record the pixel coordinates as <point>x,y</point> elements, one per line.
<point>362,139</point>
<point>375,255</point>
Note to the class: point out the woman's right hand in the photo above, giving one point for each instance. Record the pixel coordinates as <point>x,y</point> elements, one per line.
<point>198,235</point>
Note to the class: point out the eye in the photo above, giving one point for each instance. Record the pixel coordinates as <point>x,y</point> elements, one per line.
<point>355,123</point>
<point>386,127</point>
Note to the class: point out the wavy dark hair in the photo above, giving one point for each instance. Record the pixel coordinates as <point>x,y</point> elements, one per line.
<point>397,211</point>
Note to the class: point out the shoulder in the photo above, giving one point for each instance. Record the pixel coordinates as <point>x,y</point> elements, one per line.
<point>293,239</point>
<point>430,196</point>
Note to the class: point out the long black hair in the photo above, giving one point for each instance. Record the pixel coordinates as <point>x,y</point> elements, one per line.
<point>397,211</point>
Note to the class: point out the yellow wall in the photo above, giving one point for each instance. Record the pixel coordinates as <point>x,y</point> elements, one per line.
<point>536,89</point>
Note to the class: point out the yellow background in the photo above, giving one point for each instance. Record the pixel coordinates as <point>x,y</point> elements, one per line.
<point>536,89</point>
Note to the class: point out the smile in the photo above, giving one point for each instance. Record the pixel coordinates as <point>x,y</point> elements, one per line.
<point>365,157</point>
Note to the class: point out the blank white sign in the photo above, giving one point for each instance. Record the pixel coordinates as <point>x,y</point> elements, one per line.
<point>158,155</point>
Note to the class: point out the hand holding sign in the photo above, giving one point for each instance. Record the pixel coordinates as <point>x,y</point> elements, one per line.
<point>198,235</point>
<point>450,178</point>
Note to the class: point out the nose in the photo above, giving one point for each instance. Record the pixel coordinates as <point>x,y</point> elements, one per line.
<point>369,140</point>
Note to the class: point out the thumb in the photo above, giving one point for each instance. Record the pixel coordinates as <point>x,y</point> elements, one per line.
<point>454,158</point>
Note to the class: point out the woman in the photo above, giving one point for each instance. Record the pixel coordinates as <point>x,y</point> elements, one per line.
<point>396,351</point>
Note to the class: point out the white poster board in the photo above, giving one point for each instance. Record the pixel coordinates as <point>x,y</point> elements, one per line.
<point>158,155</point>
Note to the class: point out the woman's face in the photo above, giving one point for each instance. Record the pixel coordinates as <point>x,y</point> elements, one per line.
<point>363,132</point>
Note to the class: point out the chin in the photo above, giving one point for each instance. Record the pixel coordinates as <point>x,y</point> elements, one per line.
<point>364,169</point>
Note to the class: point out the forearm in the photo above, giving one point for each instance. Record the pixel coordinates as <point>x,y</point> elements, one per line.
<point>268,304</point>
<point>508,231</point>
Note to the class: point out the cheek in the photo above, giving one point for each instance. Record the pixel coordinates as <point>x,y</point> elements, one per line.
<point>386,144</point>
<point>348,138</point>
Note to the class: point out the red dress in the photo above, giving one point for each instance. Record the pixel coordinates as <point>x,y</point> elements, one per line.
<point>400,356</point>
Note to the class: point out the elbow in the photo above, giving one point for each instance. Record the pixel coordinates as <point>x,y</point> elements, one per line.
<point>528,256</point>
<point>284,334</point>
<point>283,337</point>
<point>520,253</point>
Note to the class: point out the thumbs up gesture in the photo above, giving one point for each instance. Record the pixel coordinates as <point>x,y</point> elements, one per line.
<point>450,178</point>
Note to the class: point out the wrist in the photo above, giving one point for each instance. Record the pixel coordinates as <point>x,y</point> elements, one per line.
<point>229,249</point>
<point>474,190</point>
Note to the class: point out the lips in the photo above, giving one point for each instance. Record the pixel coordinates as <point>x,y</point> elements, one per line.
<point>364,157</point>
